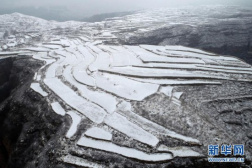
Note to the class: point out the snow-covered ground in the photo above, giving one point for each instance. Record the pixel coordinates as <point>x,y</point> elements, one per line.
<point>57,108</point>
<point>98,133</point>
<point>100,82</point>
<point>37,88</point>
<point>76,119</point>
<point>127,152</point>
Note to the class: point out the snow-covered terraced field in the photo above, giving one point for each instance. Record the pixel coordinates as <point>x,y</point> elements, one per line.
<point>99,82</point>
<point>120,98</point>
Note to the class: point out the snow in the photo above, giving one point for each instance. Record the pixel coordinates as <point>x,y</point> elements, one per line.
<point>168,66</point>
<point>80,74</point>
<point>179,151</point>
<point>39,56</point>
<point>51,70</point>
<point>124,151</point>
<point>80,162</point>
<point>159,73</point>
<point>5,47</point>
<point>99,81</point>
<point>85,39</point>
<point>105,100</point>
<point>121,56</point>
<point>98,133</point>
<point>37,88</point>
<point>11,44</point>
<point>76,119</point>
<point>125,110</point>
<point>57,108</point>
<point>238,69</point>
<point>188,54</point>
<point>51,46</point>
<point>53,43</point>
<point>4,57</point>
<point>90,110</point>
<point>102,60</point>
<point>176,101</point>
<point>64,42</point>
<point>234,70</point>
<point>37,49</point>
<point>182,48</point>
<point>80,71</point>
<point>176,82</point>
<point>177,95</point>
<point>124,106</point>
<point>147,56</point>
<point>13,53</point>
<point>38,78</point>
<point>122,124</point>
<point>119,86</point>
<point>35,76</point>
<point>59,71</point>
<point>179,53</point>
<point>94,48</point>
<point>167,90</point>
<point>62,53</point>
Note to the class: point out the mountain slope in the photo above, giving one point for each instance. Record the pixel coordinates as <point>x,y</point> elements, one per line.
<point>77,96</point>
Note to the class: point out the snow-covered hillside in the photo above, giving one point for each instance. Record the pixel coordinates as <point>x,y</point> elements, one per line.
<point>145,103</point>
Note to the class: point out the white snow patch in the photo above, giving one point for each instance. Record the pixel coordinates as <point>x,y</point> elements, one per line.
<point>37,49</point>
<point>35,76</point>
<point>105,100</point>
<point>122,124</point>
<point>38,78</point>
<point>52,46</point>
<point>80,162</point>
<point>124,87</point>
<point>57,108</point>
<point>98,133</point>
<point>102,61</point>
<point>179,151</point>
<point>147,56</point>
<point>167,90</point>
<point>158,73</point>
<point>37,88</point>
<point>90,110</point>
<point>76,119</point>
<point>182,48</point>
<point>177,95</point>
<point>124,151</point>
<point>176,82</point>
<point>121,56</point>
<point>13,53</point>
